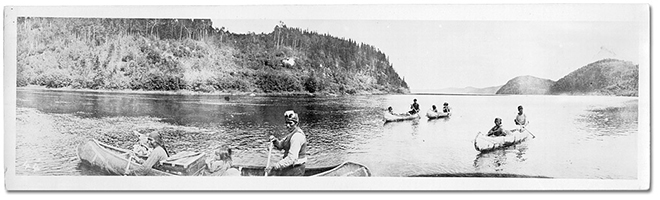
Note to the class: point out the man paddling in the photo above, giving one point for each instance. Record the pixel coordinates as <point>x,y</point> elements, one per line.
<point>414,107</point>
<point>521,118</point>
<point>294,144</point>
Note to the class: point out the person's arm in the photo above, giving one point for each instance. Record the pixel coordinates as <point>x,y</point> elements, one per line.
<point>277,143</point>
<point>491,131</point>
<point>156,156</point>
<point>212,165</point>
<point>296,143</point>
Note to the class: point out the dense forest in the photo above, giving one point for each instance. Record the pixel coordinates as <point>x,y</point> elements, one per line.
<point>604,77</point>
<point>191,54</point>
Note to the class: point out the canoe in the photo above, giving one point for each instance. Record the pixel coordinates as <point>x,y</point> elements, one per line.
<point>436,115</point>
<point>400,117</point>
<point>345,169</point>
<point>117,161</point>
<point>485,143</point>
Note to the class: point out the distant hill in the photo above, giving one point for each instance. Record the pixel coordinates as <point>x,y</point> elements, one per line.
<point>465,90</point>
<point>604,77</point>
<point>526,85</point>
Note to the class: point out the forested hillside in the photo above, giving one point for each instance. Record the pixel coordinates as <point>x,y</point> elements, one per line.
<point>604,77</point>
<point>184,54</point>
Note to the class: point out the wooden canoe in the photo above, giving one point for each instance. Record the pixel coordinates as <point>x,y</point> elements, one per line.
<point>486,143</point>
<point>400,117</point>
<point>435,115</point>
<point>116,161</point>
<point>345,169</point>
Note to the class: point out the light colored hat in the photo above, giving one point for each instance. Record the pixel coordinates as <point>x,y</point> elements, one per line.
<point>290,116</point>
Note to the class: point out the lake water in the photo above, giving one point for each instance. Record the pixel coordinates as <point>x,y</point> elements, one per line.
<point>590,137</point>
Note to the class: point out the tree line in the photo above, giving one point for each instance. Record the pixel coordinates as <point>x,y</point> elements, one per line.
<point>192,54</point>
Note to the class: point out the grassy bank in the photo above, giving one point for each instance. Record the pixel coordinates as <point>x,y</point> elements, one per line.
<point>191,56</point>
<point>189,92</point>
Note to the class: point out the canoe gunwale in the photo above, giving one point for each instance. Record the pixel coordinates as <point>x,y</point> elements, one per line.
<point>107,150</point>
<point>361,167</point>
<point>437,115</point>
<point>395,118</point>
<point>499,142</point>
<point>254,170</point>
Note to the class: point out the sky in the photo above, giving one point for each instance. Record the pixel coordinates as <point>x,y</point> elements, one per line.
<point>435,54</point>
<point>441,54</point>
<point>442,46</point>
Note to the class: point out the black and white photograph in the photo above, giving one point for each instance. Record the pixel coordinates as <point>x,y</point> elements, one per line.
<point>328,97</point>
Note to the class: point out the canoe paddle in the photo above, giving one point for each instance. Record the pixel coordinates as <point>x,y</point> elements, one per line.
<point>533,136</point>
<point>270,149</point>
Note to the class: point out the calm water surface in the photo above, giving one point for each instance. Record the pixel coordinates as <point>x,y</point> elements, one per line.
<point>576,136</point>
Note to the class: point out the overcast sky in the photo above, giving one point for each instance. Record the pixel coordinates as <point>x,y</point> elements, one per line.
<point>440,46</point>
<point>439,54</point>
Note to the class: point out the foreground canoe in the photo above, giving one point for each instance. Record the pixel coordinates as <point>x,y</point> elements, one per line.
<point>486,143</point>
<point>401,117</point>
<point>345,169</point>
<point>117,161</point>
<point>436,115</point>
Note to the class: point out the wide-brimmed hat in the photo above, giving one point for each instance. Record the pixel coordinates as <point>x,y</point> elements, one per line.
<point>158,139</point>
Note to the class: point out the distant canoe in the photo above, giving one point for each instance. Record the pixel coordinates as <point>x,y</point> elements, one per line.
<point>117,161</point>
<point>349,169</point>
<point>487,143</point>
<point>435,115</point>
<point>400,117</point>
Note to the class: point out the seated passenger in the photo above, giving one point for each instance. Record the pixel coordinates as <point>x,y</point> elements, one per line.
<point>220,163</point>
<point>497,130</point>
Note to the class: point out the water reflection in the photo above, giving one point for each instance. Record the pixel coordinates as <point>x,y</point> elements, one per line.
<point>415,128</point>
<point>611,121</point>
<point>340,129</point>
<point>500,159</point>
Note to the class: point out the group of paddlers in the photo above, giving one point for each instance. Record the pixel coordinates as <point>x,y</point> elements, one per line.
<point>497,130</point>
<point>520,120</point>
<point>294,144</point>
<point>414,108</point>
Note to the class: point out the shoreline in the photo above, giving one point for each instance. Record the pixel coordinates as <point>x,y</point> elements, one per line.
<point>262,94</point>
<point>188,92</point>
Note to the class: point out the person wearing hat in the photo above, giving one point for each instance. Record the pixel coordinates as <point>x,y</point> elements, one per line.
<point>414,107</point>
<point>158,152</point>
<point>294,144</point>
<point>446,108</point>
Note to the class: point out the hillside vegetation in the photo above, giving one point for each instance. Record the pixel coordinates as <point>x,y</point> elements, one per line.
<point>526,85</point>
<point>184,54</point>
<point>604,77</point>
